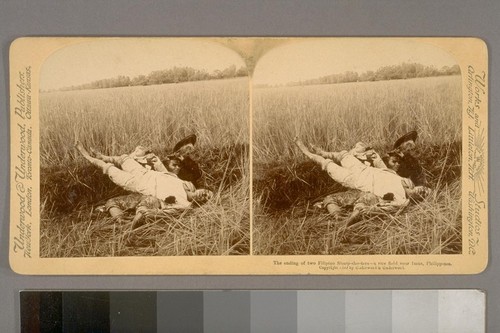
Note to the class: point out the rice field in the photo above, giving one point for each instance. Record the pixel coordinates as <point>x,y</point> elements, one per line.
<point>115,121</point>
<point>335,117</point>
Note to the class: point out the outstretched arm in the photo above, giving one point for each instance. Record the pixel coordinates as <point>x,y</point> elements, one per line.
<point>138,220</point>
<point>353,218</point>
<point>157,163</point>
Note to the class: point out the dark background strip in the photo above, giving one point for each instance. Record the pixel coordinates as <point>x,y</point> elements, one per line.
<point>132,311</point>
<point>30,312</point>
<point>41,312</point>
<point>273,311</point>
<point>85,312</point>
<point>179,311</point>
<point>226,311</point>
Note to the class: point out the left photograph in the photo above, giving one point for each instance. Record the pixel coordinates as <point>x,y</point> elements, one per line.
<point>144,150</point>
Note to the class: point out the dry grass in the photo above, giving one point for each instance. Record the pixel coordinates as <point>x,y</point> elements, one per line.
<point>335,117</point>
<point>115,121</point>
<point>285,184</point>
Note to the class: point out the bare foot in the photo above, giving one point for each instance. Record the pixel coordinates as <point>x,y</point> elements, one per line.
<point>316,149</point>
<point>78,144</point>
<point>297,141</point>
<point>81,149</point>
<point>96,153</point>
<point>301,145</point>
<point>85,153</point>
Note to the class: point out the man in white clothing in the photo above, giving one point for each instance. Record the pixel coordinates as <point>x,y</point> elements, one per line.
<point>126,172</point>
<point>346,169</point>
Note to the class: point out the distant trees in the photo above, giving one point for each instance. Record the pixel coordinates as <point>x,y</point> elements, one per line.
<point>172,75</point>
<point>185,74</point>
<point>395,72</point>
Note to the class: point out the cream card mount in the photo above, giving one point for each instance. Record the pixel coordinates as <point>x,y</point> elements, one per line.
<point>249,156</point>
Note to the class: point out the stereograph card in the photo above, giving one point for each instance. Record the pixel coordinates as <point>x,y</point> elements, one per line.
<point>249,156</point>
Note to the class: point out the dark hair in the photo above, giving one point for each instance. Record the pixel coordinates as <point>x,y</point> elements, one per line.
<point>388,196</point>
<point>170,200</point>
<point>390,154</point>
<point>171,158</point>
<point>190,170</point>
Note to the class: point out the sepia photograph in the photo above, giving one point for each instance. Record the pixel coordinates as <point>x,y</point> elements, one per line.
<point>357,149</point>
<point>144,150</point>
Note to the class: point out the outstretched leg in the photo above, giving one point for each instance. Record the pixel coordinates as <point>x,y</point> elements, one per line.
<point>108,159</point>
<point>316,158</point>
<point>334,156</point>
<point>317,150</point>
<point>95,161</point>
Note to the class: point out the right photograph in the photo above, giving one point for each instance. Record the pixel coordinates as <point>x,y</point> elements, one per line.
<point>357,147</point>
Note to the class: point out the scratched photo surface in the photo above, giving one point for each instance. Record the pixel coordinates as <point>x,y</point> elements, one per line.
<point>115,95</point>
<point>357,96</point>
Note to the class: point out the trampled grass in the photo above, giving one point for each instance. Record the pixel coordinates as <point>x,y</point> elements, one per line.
<point>335,117</point>
<point>116,120</point>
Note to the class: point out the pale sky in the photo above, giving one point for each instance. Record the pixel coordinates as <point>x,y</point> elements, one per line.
<point>100,59</point>
<point>311,59</point>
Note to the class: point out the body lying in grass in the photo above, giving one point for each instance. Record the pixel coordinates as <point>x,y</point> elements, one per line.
<point>402,154</point>
<point>376,189</point>
<point>188,168</point>
<point>141,205</point>
<point>163,185</point>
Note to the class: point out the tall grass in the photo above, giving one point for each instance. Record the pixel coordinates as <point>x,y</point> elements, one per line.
<point>285,184</point>
<point>336,117</point>
<point>116,120</point>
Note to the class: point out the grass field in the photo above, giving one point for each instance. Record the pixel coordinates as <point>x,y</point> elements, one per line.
<point>115,121</point>
<point>284,184</point>
<point>335,117</point>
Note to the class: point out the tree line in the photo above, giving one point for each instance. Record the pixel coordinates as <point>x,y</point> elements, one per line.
<point>172,75</point>
<point>395,72</point>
